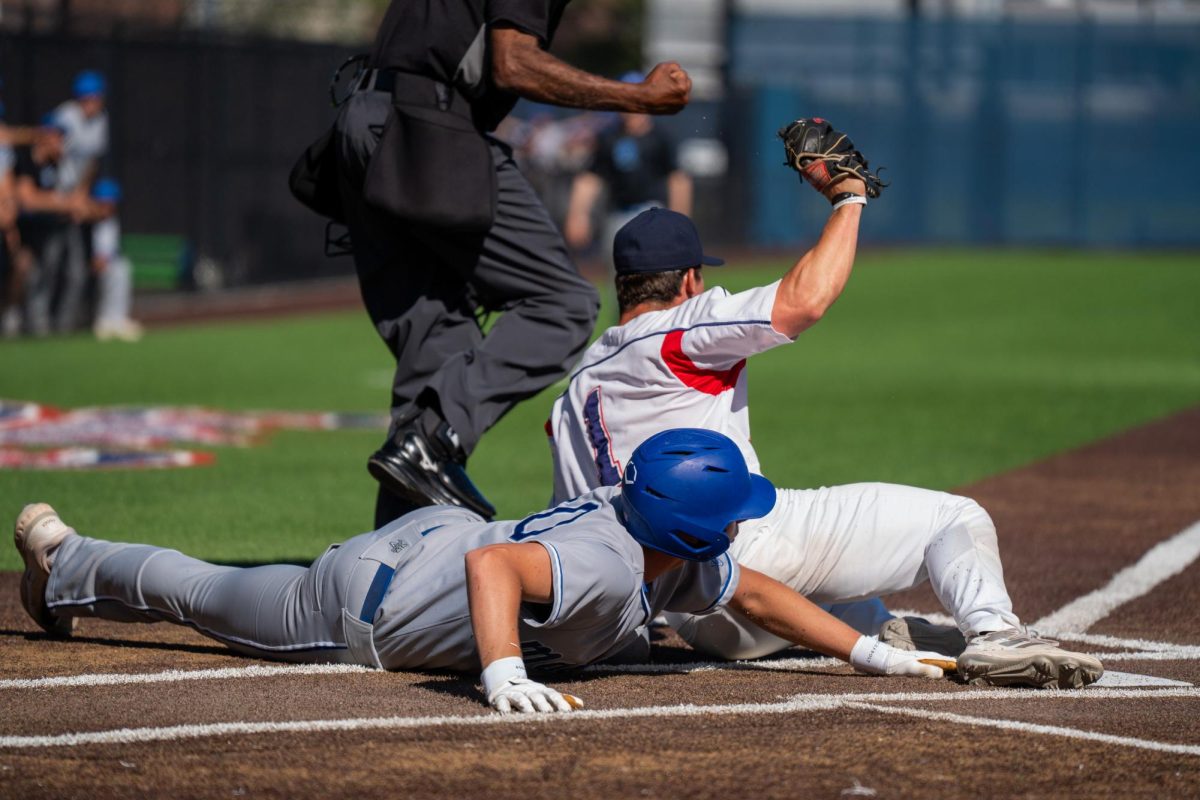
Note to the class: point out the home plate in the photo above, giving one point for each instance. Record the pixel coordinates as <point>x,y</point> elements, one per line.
<point>1123,679</point>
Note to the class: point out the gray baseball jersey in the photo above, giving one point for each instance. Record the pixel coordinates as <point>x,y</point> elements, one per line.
<point>403,587</point>
<point>600,599</point>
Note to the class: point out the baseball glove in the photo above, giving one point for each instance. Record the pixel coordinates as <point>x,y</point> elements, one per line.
<point>824,156</point>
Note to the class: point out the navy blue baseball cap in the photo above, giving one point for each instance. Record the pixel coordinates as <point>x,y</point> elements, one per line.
<point>659,240</point>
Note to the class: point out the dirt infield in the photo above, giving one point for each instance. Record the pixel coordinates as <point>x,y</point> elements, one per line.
<point>1070,528</point>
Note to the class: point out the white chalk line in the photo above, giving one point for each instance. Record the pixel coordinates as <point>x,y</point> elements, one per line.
<point>761,665</point>
<point>1160,563</point>
<point>820,664</point>
<point>1069,623</point>
<point>797,704</point>
<point>1183,654</point>
<point>1031,727</point>
<point>1099,640</point>
<point>172,675</point>
<point>1113,678</point>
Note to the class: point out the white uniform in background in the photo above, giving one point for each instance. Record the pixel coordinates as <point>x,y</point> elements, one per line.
<point>85,143</point>
<point>684,367</point>
<point>115,284</point>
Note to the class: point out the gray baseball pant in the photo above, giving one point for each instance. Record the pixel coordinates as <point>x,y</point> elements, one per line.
<point>279,611</point>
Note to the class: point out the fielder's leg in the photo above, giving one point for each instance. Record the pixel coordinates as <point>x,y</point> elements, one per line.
<point>840,544</point>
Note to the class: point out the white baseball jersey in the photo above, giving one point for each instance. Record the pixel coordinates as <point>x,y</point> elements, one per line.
<point>681,367</point>
<point>86,141</point>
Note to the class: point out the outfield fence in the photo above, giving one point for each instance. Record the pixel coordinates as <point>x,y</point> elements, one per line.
<point>1072,132</point>
<point>1068,132</point>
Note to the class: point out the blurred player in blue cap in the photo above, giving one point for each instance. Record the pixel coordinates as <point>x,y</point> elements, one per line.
<point>84,121</point>
<point>10,236</point>
<point>112,269</point>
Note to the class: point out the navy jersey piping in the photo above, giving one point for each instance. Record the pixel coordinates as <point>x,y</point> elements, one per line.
<point>642,338</point>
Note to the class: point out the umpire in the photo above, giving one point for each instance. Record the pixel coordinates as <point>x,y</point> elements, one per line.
<point>444,226</point>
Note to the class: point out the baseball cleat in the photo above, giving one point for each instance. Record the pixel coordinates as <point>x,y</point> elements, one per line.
<point>1020,658</point>
<point>426,472</point>
<point>914,633</point>
<point>37,533</point>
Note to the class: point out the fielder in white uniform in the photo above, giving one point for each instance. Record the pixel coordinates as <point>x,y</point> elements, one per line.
<point>677,359</point>
<point>442,588</point>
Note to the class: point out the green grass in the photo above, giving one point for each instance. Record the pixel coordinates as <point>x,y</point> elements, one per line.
<point>935,368</point>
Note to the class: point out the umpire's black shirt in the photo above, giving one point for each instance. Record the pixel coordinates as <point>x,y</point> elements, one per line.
<point>447,40</point>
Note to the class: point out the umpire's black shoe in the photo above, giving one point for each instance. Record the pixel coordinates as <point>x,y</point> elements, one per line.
<point>426,468</point>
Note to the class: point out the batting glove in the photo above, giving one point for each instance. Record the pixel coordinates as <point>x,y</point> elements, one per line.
<point>508,690</point>
<point>876,658</point>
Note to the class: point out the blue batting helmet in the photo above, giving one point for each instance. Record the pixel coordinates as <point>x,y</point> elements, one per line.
<point>88,83</point>
<point>684,486</point>
<point>106,190</point>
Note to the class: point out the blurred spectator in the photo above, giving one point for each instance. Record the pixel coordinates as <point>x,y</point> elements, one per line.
<point>551,151</point>
<point>112,269</point>
<point>46,219</point>
<point>85,121</point>
<point>636,161</point>
<point>10,237</point>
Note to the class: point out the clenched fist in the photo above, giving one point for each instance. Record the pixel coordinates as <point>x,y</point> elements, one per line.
<point>666,89</point>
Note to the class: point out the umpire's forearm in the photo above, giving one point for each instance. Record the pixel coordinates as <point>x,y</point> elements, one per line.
<point>519,65</point>
<point>818,278</point>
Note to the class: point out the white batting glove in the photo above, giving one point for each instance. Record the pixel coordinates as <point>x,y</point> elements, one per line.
<point>508,690</point>
<point>526,697</point>
<point>876,658</point>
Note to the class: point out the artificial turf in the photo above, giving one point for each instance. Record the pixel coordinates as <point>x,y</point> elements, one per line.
<point>935,368</point>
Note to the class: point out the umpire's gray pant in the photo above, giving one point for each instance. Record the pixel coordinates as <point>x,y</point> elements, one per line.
<point>422,285</point>
<point>280,611</point>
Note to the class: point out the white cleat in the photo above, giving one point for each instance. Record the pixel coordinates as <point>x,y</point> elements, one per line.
<point>37,533</point>
<point>1020,658</point>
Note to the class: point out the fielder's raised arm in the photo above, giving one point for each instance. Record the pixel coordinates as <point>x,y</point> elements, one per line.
<point>780,610</point>
<point>827,160</point>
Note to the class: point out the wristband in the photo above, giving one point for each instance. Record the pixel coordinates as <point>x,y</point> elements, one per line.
<point>848,199</point>
<point>870,655</point>
<point>500,672</point>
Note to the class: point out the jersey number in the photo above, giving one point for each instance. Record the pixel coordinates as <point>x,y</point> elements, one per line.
<point>593,419</point>
<point>549,520</point>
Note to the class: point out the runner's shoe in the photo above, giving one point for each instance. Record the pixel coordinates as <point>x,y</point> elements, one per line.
<point>1020,658</point>
<point>37,533</point>
<point>914,633</point>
